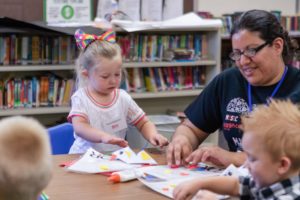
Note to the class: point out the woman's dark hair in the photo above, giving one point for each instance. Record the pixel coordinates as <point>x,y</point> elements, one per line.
<point>268,27</point>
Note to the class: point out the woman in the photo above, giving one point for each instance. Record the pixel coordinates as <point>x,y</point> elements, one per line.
<point>261,51</point>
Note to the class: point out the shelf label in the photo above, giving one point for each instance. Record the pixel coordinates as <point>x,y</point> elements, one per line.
<point>66,11</point>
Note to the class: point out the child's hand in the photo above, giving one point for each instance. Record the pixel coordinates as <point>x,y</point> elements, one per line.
<point>185,190</point>
<point>108,139</point>
<point>205,194</point>
<point>158,140</point>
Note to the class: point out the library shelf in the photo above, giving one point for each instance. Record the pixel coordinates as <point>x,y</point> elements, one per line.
<point>168,64</point>
<point>23,68</point>
<point>175,93</point>
<point>34,111</point>
<point>163,100</point>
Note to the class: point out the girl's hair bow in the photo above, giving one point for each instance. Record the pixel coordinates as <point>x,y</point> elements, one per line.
<point>83,40</point>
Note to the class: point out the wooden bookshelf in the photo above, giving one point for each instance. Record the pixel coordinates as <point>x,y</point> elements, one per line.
<point>163,101</point>
<point>34,111</point>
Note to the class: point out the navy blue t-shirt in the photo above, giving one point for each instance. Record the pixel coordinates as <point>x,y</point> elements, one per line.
<point>221,103</point>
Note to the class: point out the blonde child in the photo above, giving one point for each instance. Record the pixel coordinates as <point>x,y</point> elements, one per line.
<point>25,161</point>
<point>271,141</point>
<point>100,110</point>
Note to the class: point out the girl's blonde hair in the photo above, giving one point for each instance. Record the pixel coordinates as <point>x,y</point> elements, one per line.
<point>88,58</point>
<point>278,127</point>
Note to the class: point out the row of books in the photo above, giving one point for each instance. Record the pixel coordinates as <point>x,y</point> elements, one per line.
<point>43,91</point>
<point>159,79</point>
<point>50,90</point>
<point>24,50</point>
<point>145,47</point>
<point>290,23</point>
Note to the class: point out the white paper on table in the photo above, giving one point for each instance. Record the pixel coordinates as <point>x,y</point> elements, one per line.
<point>164,172</point>
<point>94,162</point>
<point>168,178</point>
<point>232,170</point>
<point>165,187</point>
<point>127,155</point>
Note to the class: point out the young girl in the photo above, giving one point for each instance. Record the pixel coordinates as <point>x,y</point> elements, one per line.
<point>100,110</point>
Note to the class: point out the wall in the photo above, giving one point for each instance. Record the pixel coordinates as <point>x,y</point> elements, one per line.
<point>20,9</point>
<point>32,10</point>
<point>27,10</point>
<point>219,7</point>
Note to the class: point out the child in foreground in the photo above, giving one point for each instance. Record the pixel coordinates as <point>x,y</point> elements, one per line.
<point>100,110</point>
<point>271,141</point>
<point>25,161</point>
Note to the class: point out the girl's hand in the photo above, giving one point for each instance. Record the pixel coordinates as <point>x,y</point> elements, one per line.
<point>185,190</point>
<point>158,140</point>
<point>108,139</point>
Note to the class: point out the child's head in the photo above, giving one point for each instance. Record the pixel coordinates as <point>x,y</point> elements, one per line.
<point>272,141</point>
<point>25,161</point>
<point>99,63</point>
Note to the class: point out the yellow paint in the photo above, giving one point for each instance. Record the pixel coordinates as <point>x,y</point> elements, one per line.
<point>104,167</point>
<point>145,156</point>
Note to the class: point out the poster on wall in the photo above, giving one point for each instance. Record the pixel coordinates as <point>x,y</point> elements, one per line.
<point>66,11</point>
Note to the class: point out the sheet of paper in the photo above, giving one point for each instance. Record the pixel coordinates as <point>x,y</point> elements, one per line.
<point>151,10</point>
<point>165,187</point>
<point>172,8</point>
<point>189,20</point>
<point>95,162</point>
<point>164,179</point>
<point>131,8</point>
<point>104,8</point>
<point>232,170</point>
<point>127,155</point>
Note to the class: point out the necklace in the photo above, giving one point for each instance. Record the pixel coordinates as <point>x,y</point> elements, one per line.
<point>273,93</point>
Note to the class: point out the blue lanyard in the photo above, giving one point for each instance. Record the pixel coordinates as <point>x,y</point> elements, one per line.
<point>273,93</point>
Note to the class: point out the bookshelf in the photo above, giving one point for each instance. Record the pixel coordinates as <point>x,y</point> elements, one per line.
<point>29,54</point>
<point>172,99</point>
<point>169,100</point>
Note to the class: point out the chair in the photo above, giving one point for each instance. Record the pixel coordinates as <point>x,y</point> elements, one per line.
<point>61,138</point>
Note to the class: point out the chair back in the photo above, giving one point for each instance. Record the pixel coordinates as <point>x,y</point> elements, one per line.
<point>61,138</point>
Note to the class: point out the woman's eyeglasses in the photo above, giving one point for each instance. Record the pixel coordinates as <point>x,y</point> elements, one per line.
<point>250,52</point>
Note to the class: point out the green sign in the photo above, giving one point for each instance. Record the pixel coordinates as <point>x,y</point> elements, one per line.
<point>56,11</point>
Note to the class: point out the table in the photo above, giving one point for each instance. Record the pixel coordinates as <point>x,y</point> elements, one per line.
<point>66,185</point>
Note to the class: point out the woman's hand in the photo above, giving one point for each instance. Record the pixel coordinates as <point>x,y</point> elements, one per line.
<point>214,155</point>
<point>178,150</point>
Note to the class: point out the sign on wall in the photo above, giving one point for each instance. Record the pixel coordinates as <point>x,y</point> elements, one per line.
<point>219,7</point>
<point>59,11</point>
